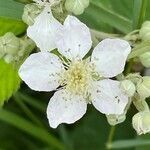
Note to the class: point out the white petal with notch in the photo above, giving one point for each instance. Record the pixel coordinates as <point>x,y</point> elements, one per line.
<point>44,31</point>
<point>74,40</point>
<point>65,108</point>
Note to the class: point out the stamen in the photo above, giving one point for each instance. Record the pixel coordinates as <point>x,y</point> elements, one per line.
<point>78,78</point>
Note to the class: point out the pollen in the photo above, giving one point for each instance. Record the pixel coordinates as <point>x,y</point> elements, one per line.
<point>78,78</point>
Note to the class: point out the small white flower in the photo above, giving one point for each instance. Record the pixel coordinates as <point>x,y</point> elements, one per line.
<point>78,82</point>
<point>44,30</point>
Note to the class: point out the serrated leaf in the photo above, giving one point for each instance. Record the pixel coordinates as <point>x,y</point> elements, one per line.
<point>9,81</point>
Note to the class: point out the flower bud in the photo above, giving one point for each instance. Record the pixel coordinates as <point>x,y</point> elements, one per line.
<point>9,43</point>
<point>31,11</point>
<point>76,6</point>
<point>145,59</point>
<point>128,87</point>
<point>140,104</point>
<point>143,87</point>
<point>116,119</point>
<point>26,46</point>
<point>134,77</point>
<point>145,31</point>
<point>141,122</point>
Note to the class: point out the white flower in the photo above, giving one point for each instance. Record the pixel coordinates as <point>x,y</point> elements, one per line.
<point>44,30</point>
<point>81,81</point>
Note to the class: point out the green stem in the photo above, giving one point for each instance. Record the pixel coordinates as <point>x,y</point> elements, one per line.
<point>110,137</point>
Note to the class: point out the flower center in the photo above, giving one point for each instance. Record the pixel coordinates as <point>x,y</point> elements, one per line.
<point>78,78</point>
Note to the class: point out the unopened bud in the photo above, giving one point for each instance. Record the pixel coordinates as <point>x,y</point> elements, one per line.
<point>145,59</point>
<point>134,77</point>
<point>31,11</point>
<point>143,87</point>
<point>128,87</point>
<point>76,6</point>
<point>141,122</point>
<point>26,46</point>
<point>145,31</point>
<point>9,43</point>
<point>140,104</point>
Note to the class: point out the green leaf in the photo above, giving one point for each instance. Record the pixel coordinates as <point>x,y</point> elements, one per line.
<point>122,7</point>
<point>23,141</point>
<point>32,101</point>
<point>89,18</point>
<point>91,132</point>
<point>27,111</point>
<point>139,12</point>
<point>147,15</point>
<point>24,1</point>
<point>101,13</point>
<point>145,137</point>
<point>11,25</point>
<point>11,9</point>
<point>10,17</point>
<point>28,127</point>
<point>9,81</point>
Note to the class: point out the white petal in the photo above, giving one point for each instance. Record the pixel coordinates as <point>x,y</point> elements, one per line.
<point>44,31</point>
<point>110,56</point>
<point>75,39</point>
<point>65,108</point>
<point>41,71</point>
<point>108,98</point>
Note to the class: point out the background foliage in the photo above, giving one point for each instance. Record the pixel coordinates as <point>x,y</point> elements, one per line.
<point>23,123</point>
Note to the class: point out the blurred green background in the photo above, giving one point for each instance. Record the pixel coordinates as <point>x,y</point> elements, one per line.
<point>23,122</point>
